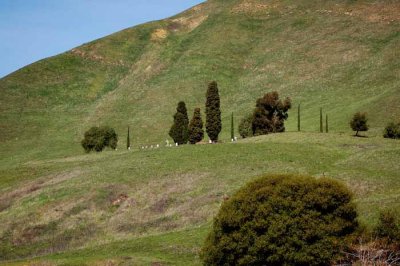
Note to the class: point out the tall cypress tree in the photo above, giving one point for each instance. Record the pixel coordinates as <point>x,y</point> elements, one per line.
<point>213,112</point>
<point>128,141</point>
<point>179,129</point>
<point>196,132</point>
<point>232,128</point>
<point>321,123</point>
<point>298,118</point>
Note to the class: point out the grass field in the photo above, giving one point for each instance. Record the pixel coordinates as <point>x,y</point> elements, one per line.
<point>151,205</point>
<point>61,206</point>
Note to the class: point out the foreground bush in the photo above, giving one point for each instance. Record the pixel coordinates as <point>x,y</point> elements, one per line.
<point>97,138</point>
<point>392,131</point>
<point>282,220</point>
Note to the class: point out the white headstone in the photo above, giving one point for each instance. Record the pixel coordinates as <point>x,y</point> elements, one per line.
<point>176,144</point>
<point>151,147</point>
<point>158,146</point>
<point>236,138</point>
<point>210,141</point>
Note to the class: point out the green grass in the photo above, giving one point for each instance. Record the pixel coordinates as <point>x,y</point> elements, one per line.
<point>57,202</point>
<point>173,191</point>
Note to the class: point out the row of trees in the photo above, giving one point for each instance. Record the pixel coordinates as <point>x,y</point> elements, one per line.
<point>182,131</point>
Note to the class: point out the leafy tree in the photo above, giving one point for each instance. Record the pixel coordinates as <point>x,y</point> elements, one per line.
<point>196,132</point>
<point>359,122</point>
<point>97,138</point>
<point>270,114</point>
<point>245,126</point>
<point>179,129</point>
<point>282,220</point>
<point>213,112</point>
<point>392,131</point>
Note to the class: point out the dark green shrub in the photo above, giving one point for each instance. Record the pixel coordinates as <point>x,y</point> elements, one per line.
<point>97,138</point>
<point>270,114</point>
<point>179,129</point>
<point>392,131</point>
<point>388,226</point>
<point>282,220</point>
<point>213,112</point>
<point>196,132</point>
<point>245,126</point>
<point>359,122</point>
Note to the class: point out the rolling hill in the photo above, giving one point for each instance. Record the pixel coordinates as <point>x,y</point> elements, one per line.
<point>154,206</point>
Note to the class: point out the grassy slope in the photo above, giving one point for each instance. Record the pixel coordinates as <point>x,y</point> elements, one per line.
<point>173,194</point>
<point>55,198</point>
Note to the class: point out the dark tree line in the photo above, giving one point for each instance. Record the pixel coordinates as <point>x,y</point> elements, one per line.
<point>182,132</point>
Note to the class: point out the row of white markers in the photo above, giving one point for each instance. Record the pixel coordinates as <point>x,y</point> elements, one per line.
<point>167,144</point>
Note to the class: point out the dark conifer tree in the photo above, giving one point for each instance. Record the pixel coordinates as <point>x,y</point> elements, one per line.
<point>213,112</point>
<point>232,128</point>
<point>128,141</point>
<point>298,119</point>
<point>179,130</point>
<point>196,132</point>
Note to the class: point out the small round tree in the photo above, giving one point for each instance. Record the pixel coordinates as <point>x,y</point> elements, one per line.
<point>359,122</point>
<point>196,132</point>
<point>282,220</point>
<point>179,129</point>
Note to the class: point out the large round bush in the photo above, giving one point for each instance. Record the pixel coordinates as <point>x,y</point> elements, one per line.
<point>282,220</point>
<point>97,138</point>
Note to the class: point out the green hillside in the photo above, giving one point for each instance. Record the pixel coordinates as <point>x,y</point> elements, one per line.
<point>143,207</point>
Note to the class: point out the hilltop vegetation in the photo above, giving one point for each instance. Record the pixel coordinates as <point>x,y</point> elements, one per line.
<point>155,206</point>
<point>341,56</point>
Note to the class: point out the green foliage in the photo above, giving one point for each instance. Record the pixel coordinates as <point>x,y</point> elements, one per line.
<point>245,126</point>
<point>196,132</point>
<point>213,112</point>
<point>270,114</point>
<point>97,138</point>
<point>298,118</point>
<point>359,122</point>
<point>282,220</point>
<point>128,140</point>
<point>392,131</point>
<point>388,226</point>
<point>232,128</point>
<point>179,129</point>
